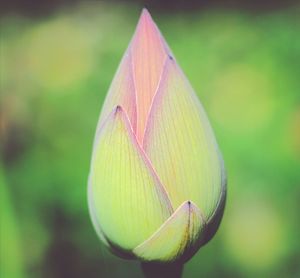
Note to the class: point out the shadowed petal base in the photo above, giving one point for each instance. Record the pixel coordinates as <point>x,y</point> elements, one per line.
<point>174,237</point>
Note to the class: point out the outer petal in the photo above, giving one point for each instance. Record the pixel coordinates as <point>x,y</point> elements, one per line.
<point>149,53</point>
<point>171,241</point>
<point>126,198</point>
<point>181,146</point>
<point>121,92</point>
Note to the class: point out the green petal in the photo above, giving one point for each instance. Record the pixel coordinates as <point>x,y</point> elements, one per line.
<point>94,217</point>
<point>181,231</point>
<point>181,145</point>
<point>126,198</point>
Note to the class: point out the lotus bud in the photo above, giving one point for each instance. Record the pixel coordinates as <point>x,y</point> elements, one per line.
<point>157,183</point>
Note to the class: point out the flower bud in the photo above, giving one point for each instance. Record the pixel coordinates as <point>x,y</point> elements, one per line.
<point>157,181</point>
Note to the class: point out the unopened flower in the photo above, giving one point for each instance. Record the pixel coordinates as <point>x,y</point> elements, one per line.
<point>157,181</point>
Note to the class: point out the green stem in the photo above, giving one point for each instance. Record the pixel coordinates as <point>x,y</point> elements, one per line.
<point>156,270</point>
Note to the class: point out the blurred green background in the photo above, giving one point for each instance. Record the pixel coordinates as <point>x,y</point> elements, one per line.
<point>57,62</point>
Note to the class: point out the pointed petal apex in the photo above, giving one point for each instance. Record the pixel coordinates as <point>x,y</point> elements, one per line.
<point>149,53</point>
<point>145,17</point>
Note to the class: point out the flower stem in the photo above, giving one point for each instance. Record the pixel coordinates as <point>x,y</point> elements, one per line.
<point>156,270</point>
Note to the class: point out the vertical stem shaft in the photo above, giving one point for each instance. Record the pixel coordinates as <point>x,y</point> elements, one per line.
<point>156,270</point>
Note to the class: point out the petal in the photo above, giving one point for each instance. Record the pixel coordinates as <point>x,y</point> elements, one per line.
<point>127,199</point>
<point>121,92</point>
<point>214,221</point>
<point>174,237</point>
<point>149,53</point>
<point>93,215</point>
<point>137,79</point>
<point>181,145</point>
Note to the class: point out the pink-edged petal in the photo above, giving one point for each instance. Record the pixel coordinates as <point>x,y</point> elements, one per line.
<point>149,52</point>
<point>127,201</point>
<point>176,237</point>
<point>181,145</point>
<point>121,92</point>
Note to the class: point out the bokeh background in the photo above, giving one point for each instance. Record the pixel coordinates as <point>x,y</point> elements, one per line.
<point>57,61</point>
